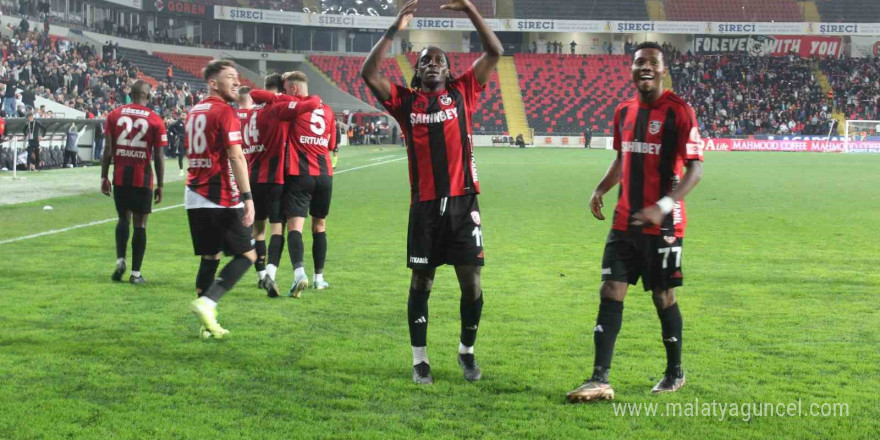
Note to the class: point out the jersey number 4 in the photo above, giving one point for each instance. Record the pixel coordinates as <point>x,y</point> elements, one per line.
<point>250,131</point>
<point>140,125</point>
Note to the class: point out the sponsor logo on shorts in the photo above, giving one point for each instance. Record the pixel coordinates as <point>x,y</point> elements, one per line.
<point>475,216</point>
<point>606,271</point>
<point>677,274</point>
<point>418,260</point>
<point>654,127</point>
<point>598,329</point>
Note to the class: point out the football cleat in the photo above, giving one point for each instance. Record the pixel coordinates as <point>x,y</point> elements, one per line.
<point>204,333</point>
<point>469,367</point>
<point>422,374</point>
<point>261,284</point>
<point>590,391</point>
<point>272,290</point>
<point>180,173</point>
<point>207,315</point>
<point>137,279</point>
<point>320,285</point>
<point>299,284</point>
<point>669,384</point>
<point>117,274</point>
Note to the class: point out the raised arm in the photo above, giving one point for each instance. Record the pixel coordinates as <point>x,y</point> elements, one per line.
<point>378,84</point>
<point>492,48</point>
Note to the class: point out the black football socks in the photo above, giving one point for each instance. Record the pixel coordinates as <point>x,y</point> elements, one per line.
<point>319,251</point>
<point>260,247</point>
<point>671,323</point>
<point>276,247</point>
<point>470,319</point>
<point>229,275</point>
<point>295,248</point>
<point>138,248</point>
<point>417,314</point>
<point>121,237</point>
<point>207,272</point>
<point>604,335</point>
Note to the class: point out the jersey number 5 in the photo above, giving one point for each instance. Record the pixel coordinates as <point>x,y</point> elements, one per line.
<point>197,143</point>
<point>319,126</point>
<point>127,124</point>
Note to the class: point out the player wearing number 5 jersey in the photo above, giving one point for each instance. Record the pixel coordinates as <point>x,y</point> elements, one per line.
<point>218,200</point>
<point>444,218</point>
<point>656,138</point>
<point>135,136</point>
<point>268,133</point>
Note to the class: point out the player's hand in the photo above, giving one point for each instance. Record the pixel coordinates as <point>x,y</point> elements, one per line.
<point>457,5</point>
<point>248,219</point>
<point>651,215</point>
<point>596,205</point>
<point>105,186</point>
<point>406,14</point>
<point>157,195</point>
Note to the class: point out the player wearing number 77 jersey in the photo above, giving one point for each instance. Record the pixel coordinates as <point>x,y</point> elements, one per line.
<point>656,138</point>
<point>218,198</point>
<point>135,136</point>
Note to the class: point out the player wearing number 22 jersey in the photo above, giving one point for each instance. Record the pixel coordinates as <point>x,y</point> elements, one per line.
<point>218,200</point>
<point>656,138</point>
<point>135,137</point>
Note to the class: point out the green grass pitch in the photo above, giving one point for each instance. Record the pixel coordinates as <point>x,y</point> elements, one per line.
<point>780,305</point>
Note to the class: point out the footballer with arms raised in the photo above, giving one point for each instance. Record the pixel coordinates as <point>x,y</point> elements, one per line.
<point>656,137</point>
<point>444,219</point>
<point>135,136</point>
<point>218,198</point>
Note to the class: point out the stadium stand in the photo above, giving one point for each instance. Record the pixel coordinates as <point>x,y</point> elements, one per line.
<point>189,67</point>
<point>156,67</point>
<point>564,93</point>
<point>582,9</point>
<point>849,11</point>
<point>489,117</point>
<point>345,73</point>
<point>726,10</point>
<point>856,86</point>
<point>744,95</point>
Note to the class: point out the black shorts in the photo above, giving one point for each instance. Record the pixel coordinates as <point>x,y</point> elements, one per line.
<point>219,229</point>
<point>130,198</point>
<point>445,231</point>
<point>307,195</point>
<point>267,201</point>
<point>656,259</point>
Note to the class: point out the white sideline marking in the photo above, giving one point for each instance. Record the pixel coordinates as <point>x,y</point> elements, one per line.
<point>381,158</point>
<point>166,208</point>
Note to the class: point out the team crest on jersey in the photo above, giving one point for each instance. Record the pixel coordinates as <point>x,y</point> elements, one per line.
<point>654,127</point>
<point>445,100</point>
<point>670,239</point>
<point>475,216</point>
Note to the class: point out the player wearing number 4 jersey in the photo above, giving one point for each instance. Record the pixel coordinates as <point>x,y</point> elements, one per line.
<point>135,136</point>
<point>267,133</point>
<point>444,220</point>
<point>218,200</point>
<point>656,138</point>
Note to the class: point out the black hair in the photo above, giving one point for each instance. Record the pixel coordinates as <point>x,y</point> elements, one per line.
<point>274,83</point>
<point>416,82</point>
<point>650,45</point>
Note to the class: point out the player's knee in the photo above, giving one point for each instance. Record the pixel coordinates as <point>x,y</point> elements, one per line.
<point>663,298</point>
<point>140,220</point>
<point>471,293</point>
<point>422,280</point>
<point>318,225</point>
<point>615,290</point>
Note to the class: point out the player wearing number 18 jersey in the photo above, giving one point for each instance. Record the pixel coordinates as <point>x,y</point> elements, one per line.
<point>656,138</point>
<point>135,137</point>
<point>218,200</point>
<point>444,220</point>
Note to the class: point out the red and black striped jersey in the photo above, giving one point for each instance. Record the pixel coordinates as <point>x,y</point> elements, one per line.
<point>654,143</point>
<point>312,136</point>
<point>136,133</point>
<point>244,118</point>
<point>273,126</point>
<point>438,132</point>
<point>211,128</point>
